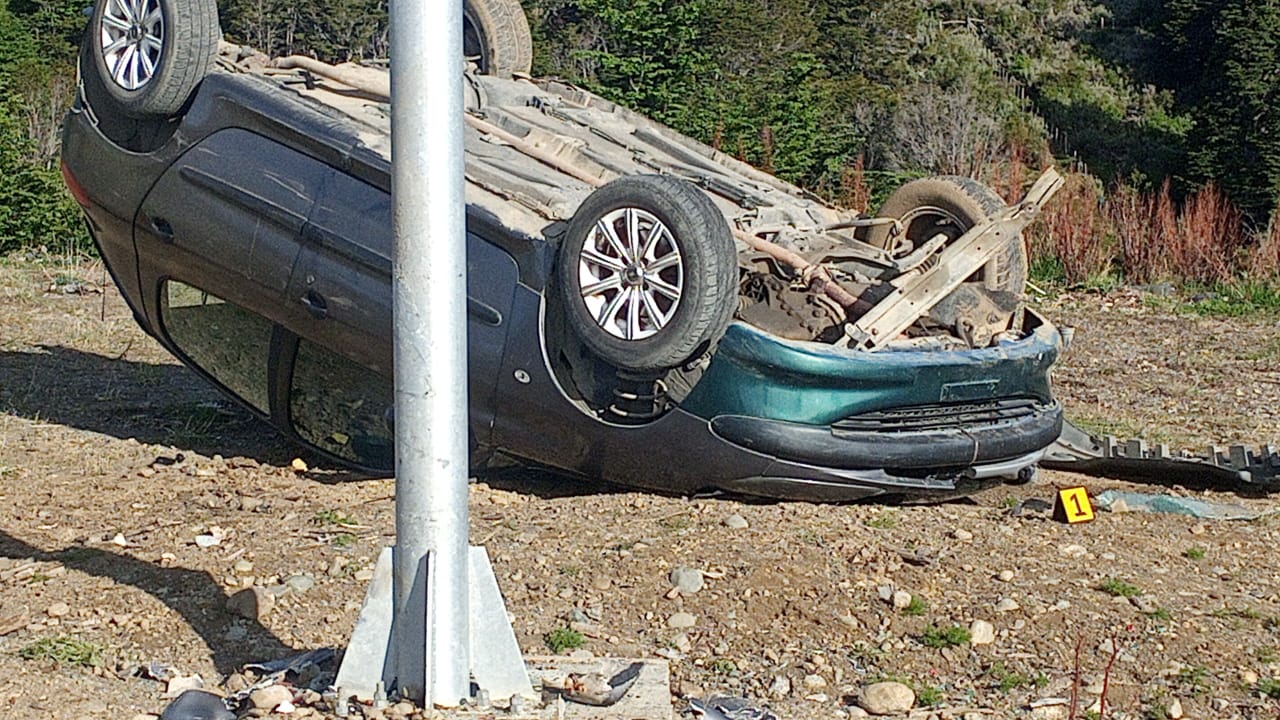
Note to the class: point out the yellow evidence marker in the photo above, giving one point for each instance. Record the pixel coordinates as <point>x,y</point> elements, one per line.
<point>1072,506</point>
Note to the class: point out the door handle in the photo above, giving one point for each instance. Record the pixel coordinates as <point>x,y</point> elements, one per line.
<point>162,229</point>
<point>315,304</point>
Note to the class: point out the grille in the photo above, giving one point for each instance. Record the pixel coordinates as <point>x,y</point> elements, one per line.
<point>940,416</point>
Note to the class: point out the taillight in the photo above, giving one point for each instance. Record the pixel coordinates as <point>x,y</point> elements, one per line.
<point>73,185</point>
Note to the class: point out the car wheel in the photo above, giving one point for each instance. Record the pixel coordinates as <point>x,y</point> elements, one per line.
<point>951,205</point>
<point>648,272</point>
<point>148,56</point>
<point>496,34</point>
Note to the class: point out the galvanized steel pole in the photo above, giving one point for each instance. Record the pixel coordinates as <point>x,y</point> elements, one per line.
<point>430,614</point>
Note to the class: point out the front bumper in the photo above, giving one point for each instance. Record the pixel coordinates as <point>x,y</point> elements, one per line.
<point>912,450</point>
<point>758,375</point>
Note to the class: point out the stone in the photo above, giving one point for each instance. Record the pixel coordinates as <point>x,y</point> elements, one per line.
<point>242,567</point>
<point>886,698</point>
<point>814,682</point>
<point>1249,677</point>
<point>1007,605</point>
<point>735,522</point>
<point>854,711</point>
<point>982,632</point>
<point>962,535</point>
<point>687,580</point>
<point>401,709</point>
<point>1175,709</point>
<point>780,687</point>
<point>182,683</point>
<point>1005,576</point>
<point>1072,550</point>
<point>885,592</point>
<point>57,610</point>
<point>253,603</point>
<point>1049,712</point>
<point>901,599</point>
<point>300,583</point>
<point>270,697</point>
<point>1144,604</point>
<point>681,620</point>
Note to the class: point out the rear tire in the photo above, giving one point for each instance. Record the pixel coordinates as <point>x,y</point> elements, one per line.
<point>496,34</point>
<point>950,204</point>
<point>148,56</point>
<point>648,273</point>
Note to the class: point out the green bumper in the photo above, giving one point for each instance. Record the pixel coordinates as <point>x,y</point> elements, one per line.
<point>759,375</point>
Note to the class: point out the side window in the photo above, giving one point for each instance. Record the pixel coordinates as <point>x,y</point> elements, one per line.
<point>226,341</point>
<point>342,407</point>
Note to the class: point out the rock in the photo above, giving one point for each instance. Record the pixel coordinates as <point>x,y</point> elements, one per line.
<point>1072,550</point>
<point>242,567</point>
<point>682,642</point>
<point>401,709</point>
<point>961,534</point>
<point>901,599</point>
<point>182,683</point>
<point>1005,576</point>
<point>1049,712</point>
<point>735,522</point>
<point>57,610</point>
<point>235,682</point>
<point>780,688</point>
<point>253,603</point>
<point>982,632</point>
<point>195,704</point>
<point>207,540</point>
<point>687,580</point>
<point>270,697</point>
<point>854,711</point>
<point>1249,677</point>
<point>885,592</point>
<point>1007,605</point>
<point>814,682</point>
<point>300,583</point>
<point>681,620</point>
<point>886,698</point>
<point>1175,709</point>
<point>1143,603</point>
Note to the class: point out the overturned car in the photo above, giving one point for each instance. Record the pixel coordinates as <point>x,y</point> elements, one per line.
<point>641,308</point>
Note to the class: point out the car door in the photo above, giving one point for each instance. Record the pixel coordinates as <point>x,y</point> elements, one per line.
<point>343,281</point>
<point>227,216</point>
<point>218,236</point>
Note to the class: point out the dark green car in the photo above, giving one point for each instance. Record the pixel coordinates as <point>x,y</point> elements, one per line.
<point>641,308</point>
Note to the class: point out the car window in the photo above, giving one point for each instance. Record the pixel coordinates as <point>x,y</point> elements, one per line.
<point>342,407</point>
<point>224,340</point>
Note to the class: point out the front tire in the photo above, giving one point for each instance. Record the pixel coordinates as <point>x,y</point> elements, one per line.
<point>648,273</point>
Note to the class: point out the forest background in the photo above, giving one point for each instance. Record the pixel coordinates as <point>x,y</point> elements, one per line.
<point>1165,112</point>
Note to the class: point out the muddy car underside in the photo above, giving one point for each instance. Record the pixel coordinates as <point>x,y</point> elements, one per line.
<point>933,277</point>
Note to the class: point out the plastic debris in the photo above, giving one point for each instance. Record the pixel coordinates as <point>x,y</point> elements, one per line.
<point>596,689</point>
<point>1119,501</point>
<point>197,705</point>
<point>721,707</point>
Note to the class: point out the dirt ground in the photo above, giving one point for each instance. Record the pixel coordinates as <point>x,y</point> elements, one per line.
<point>114,459</point>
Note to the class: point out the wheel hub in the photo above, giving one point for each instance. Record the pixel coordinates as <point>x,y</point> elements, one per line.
<point>131,33</point>
<point>631,274</point>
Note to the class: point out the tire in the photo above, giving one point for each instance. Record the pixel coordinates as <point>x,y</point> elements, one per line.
<point>146,57</point>
<point>496,34</point>
<point>671,306</point>
<point>950,204</point>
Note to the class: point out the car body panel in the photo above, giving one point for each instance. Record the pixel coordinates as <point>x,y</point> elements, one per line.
<point>760,375</point>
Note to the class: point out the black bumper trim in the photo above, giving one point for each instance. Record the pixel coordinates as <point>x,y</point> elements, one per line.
<point>911,450</point>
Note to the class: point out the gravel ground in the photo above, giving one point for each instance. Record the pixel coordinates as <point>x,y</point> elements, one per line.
<point>138,502</point>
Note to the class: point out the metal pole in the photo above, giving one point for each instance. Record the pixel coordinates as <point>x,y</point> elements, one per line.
<point>431,658</point>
